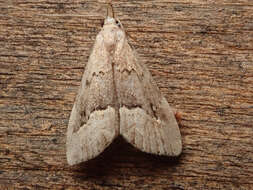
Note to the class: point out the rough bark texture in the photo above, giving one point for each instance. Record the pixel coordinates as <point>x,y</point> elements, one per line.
<point>200,53</point>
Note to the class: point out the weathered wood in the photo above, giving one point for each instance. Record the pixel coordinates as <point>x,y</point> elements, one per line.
<point>199,52</point>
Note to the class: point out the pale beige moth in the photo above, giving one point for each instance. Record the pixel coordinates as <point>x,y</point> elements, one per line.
<point>118,96</point>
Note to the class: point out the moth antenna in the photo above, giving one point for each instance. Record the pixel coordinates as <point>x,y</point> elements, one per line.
<point>110,12</point>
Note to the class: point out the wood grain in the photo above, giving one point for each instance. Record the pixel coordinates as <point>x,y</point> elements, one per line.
<point>199,52</point>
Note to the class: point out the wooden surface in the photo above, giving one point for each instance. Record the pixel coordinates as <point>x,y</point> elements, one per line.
<point>200,54</point>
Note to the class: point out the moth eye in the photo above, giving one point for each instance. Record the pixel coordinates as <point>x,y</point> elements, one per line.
<point>117,23</point>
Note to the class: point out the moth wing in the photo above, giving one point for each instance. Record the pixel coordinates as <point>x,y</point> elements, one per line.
<point>146,119</point>
<point>93,121</point>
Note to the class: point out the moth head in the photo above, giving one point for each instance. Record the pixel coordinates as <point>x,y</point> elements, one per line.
<point>112,21</point>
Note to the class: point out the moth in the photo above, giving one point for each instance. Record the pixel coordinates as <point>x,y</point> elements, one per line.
<point>118,96</point>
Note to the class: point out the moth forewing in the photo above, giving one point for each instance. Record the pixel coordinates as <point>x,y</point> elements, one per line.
<point>119,96</point>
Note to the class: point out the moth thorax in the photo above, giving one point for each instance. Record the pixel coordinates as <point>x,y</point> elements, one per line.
<point>110,42</point>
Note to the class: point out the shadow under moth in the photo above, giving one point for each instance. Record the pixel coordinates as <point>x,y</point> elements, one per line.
<point>118,96</point>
